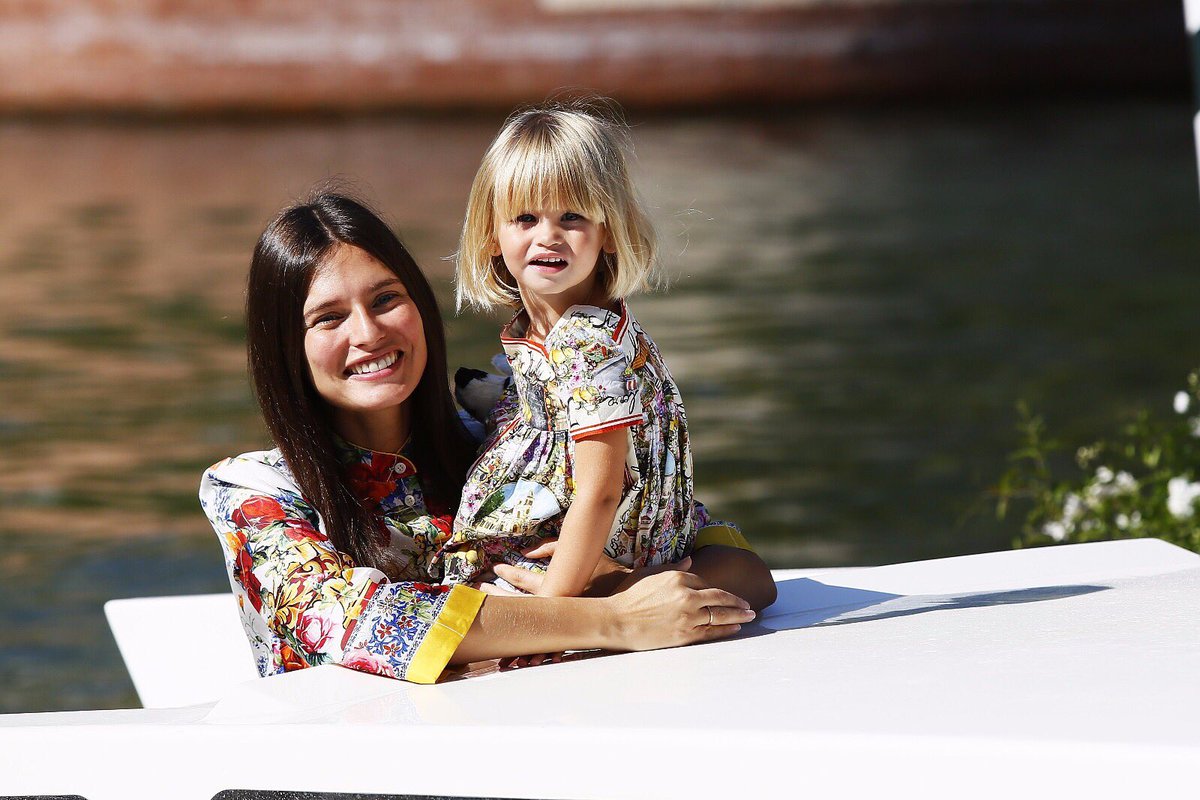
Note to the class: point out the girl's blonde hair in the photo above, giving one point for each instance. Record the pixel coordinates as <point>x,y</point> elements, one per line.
<point>557,155</point>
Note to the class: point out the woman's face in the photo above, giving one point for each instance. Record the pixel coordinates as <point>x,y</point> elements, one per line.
<point>364,343</point>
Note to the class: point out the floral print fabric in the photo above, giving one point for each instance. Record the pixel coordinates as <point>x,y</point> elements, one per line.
<point>304,603</point>
<point>596,371</point>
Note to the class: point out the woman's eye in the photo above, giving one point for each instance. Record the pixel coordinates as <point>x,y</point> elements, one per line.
<point>387,298</point>
<point>324,321</point>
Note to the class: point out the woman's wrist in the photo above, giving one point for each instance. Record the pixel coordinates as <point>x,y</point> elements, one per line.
<point>608,623</point>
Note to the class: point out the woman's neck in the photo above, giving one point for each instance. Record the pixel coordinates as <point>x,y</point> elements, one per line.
<point>384,431</point>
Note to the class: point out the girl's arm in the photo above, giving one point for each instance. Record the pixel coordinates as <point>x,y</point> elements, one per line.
<point>598,474</point>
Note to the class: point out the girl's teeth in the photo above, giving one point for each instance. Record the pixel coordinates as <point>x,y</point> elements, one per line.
<point>375,366</point>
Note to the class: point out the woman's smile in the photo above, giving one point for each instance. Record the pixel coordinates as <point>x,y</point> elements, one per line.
<point>377,368</point>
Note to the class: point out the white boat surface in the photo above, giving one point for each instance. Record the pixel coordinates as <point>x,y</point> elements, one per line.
<point>1068,671</point>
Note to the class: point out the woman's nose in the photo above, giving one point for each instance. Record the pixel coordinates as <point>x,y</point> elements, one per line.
<point>364,329</point>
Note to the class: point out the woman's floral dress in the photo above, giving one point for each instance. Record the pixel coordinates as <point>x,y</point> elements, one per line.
<point>303,603</point>
<point>596,371</point>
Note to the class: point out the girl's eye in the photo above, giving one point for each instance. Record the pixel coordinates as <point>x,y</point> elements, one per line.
<point>525,219</point>
<point>571,216</point>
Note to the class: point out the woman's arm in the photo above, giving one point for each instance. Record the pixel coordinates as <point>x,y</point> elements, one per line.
<point>668,609</point>
<point>599,471</point>
<point>304,603</point>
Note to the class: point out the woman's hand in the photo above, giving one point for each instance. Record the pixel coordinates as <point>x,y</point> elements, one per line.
<point>674,608</point>
<point>666,609</point>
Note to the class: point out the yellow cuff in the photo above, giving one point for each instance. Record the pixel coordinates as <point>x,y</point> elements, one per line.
<point>726,535</point>
<point>447,633</point>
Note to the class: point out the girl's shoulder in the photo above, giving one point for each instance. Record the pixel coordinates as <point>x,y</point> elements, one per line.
<point>584,323</point>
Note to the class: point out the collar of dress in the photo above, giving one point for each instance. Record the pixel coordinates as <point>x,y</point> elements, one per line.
<point>373,475</point>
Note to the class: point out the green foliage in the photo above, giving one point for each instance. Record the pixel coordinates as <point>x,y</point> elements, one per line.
<point>1144,481</point>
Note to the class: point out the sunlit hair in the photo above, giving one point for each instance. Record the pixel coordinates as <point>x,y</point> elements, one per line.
<point>294,246</point>
<point>557,156</point>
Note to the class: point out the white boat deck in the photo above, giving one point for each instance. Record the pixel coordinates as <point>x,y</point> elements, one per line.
<point>1071,671</point>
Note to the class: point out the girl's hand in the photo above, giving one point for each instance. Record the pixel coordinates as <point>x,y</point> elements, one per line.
<point>674,608</point>
<point>491,588</point>
<point>607,577</point>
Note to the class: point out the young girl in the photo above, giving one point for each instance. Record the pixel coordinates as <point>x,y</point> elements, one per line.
<point>596,449</point>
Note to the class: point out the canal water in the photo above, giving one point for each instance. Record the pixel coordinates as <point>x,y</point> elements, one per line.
<point>860,298</point>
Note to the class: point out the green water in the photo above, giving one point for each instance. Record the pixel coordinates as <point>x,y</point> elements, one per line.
<point>860,298</point>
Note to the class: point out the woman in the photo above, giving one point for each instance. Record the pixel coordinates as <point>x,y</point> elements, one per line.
<point>333,541</point>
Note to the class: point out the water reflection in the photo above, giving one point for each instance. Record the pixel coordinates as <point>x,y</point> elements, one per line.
<point>859,299</point>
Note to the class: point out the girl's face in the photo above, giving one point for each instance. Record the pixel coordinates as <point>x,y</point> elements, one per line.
<point>364,343</point>
<point>552,254</point>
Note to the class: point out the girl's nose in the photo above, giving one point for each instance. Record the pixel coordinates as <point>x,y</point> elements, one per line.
<point>548,232</point>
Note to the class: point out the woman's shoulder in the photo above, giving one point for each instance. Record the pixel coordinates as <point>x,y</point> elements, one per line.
<point>259,470</point>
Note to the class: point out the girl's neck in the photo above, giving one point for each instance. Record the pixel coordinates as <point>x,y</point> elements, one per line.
<point>543,313</point>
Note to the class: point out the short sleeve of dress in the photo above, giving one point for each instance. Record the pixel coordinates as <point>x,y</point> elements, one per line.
<point>594,375</point>
<point>304,603</point>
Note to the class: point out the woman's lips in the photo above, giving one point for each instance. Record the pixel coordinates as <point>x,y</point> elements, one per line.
<point>375,368</point>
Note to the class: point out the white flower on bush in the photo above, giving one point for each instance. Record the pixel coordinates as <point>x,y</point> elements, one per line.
<point>1055,530</point>
<point>1182,401</point>
<point>1108,484</point>
<point>1194,427</point>
<point>1072,510</point>
<point>1181,496</point>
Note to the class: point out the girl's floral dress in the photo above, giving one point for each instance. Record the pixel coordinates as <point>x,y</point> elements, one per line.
<point>303,603</point>
<point>596,371</point>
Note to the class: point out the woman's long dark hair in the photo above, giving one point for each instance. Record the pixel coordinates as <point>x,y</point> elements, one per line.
<point>288,254</point>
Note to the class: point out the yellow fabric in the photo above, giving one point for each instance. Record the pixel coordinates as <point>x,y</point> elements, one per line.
<point>721,534</point>
<point>445,635</point>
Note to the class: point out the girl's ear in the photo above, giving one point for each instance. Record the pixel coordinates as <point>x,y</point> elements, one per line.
<point>494,248</point>
<point>609,245</point>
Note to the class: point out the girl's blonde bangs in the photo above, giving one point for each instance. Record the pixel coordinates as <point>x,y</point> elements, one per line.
<point>535,175</point>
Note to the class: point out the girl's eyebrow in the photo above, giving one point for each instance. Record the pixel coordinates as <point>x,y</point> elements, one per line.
<point>375,287</point>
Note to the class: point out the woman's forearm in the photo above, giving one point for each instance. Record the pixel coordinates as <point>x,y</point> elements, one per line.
<point>664,610</point>
<point>516,626</point>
